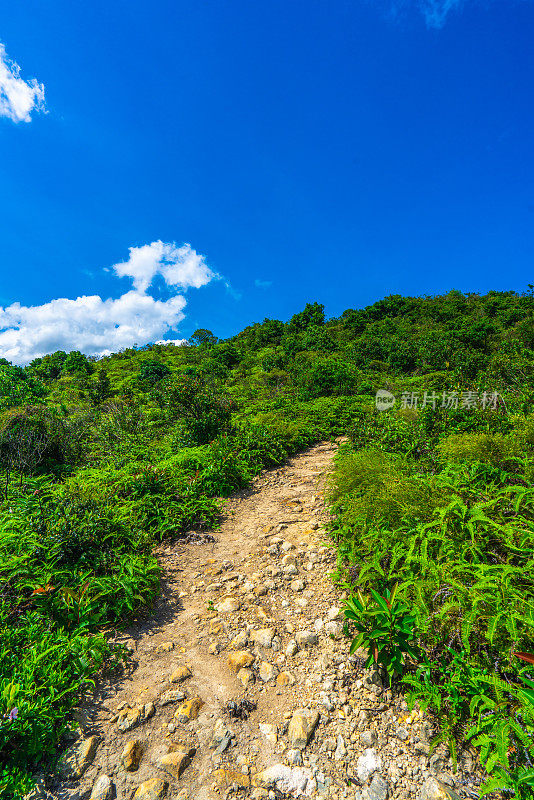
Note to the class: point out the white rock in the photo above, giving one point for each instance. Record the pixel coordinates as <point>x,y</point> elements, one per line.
<point>368,763</point>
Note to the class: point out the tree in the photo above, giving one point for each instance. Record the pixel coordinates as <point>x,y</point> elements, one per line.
<point>312,314</point>
<point>77,364</point>
<point>100,390</point>
<point>202,336</point>
<point>152,371</point>
<point>17,387</point>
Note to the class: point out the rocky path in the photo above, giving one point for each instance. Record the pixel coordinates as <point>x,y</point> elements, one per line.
<point>241,684</point>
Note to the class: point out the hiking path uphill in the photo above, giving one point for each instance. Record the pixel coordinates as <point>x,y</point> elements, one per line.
<point>240,682</point>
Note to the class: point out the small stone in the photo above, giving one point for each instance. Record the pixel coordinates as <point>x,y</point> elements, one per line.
<point>291,782</point>
<point>269,732</point>
<point>333,613</point>
<point>172,696</point>
<point>298,585</point>
<point>102,789</point>
<point>287,547</point>
<point>135,716</point>
<point>333,629</point>
<point>240,659</point>
<point>402,734</point>
<point>240,641</point>
<point>294,757</point>
<point>378,789</point>
<point>291,648</point>
<point>432,789</point>
<point>176,762</point>
<point>246,676</point>
<point>180,674</point>
<point>226,777</point>
<point>268,672</point>
<point>263,637</point>
<point>341,750</point>
<point>306,638</point>
<point>131,755</point>
<point>285,679</point>
<point>302,725</point>
<point>368,738</point>
<point>78,757</point>
<point>189,710</point>
<point>367,764</point>
<point>228,606</point>
<point>261,590</point>
<point>221,737</point>
<point>165,647</point>
<point>153,789</point>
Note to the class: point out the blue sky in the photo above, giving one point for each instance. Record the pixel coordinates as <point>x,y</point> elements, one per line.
<point>334,150</point>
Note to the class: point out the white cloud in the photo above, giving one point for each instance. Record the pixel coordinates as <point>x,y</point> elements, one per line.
<point>179,266</point>
<point>435,12</point>
<point>18,98</point>
<point>259,284</point>
<point>99,327</point>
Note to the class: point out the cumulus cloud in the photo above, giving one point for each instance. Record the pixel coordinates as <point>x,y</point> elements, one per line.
<point>179,266</point>
<point>259,284</point>
<point>99,327</point>
<point>18,98</point>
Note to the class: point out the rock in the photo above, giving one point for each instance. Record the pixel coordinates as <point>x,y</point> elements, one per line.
<point>318,625</point>
<point>334,629</point>
<point>269,732</point>
<point>306,638</point>
<point>402,734</point>
<point>368,738</point>
<point>240,659</point>
<point>287,780</point>
<point>432,789</point>
<point>39,791</point>
<point>378,789</point>
<point>78,757</point>
<point>153,789</point>
<point>285,679</point>
<point>291,648</point>
<point>246,676</point>
<point>221,737</point>
<point>289,558</point>
<point>287,547</point>
<point>298,585</point>
<point>367,764</point>
<point>180,674</point>
<point>102,789</point>
<point>302,725</point>
<point>133,717</point>
<point>228,606</point>
<point>261,590</point>
<point>172,696</point>
<point>165,647</point>
<point>294,757</point>
<point>268,672</point>
<point>333,613</point>
<point>291,569</point>
<point>189,710</point>
<point>131,755</point>
<point>341,750</point>
<point>264,636</point>
<point>227,776</point>
<point>240,641</point>
<point>174,763</point>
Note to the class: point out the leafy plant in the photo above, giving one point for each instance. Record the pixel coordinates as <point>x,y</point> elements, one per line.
<point>385,628</point>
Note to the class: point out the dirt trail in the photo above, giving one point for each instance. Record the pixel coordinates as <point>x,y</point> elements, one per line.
<point>253,615</point>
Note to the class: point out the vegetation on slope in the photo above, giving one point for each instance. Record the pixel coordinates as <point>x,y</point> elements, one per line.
<point>101,459</point>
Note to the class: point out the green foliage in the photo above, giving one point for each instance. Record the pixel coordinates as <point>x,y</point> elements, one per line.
<point>152,371</point>
<point>385,629</point>
<point>77,364</point>
<point>438,503</point>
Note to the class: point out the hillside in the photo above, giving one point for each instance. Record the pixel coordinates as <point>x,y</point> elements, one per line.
<point>431,500</point>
